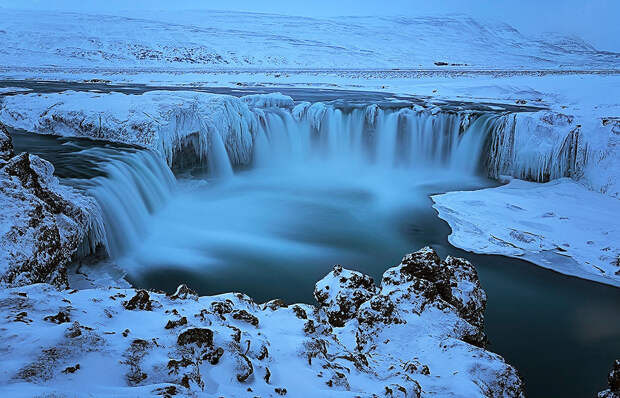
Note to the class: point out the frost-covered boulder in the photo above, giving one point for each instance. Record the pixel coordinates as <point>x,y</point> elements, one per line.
<point>42,222</point>
<point>451,285</point>
<point>277,100</point>
<point>341,293</point>
<point>408,338</point>
<point>614,382</point>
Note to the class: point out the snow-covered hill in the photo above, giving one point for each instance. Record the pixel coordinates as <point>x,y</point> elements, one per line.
<point>236,39</point>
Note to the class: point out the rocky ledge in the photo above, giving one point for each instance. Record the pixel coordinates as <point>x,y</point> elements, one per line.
<point>418,334</point>
<point>42,223</point>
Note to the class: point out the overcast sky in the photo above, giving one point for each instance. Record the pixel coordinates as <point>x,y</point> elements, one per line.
<point>594,20</point>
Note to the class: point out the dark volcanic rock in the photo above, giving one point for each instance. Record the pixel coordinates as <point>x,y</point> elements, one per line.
<point>198,336</point>
<point>141,301</point>
<point>59,318</point>
<point>454,281</point>
<point>243,315</point>
<point>183,293</point>
<point>173,324</point>
<point>6,145</point>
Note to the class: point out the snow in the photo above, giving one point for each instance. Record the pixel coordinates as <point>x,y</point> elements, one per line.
<point>211,39</point>
<point>273,100</point>
<point>129,342</point>
<point>559,225</point>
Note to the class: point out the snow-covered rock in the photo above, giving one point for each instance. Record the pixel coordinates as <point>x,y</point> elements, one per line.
<point>408,338</point>
<point>277,100</point>
<point>42,223</point>
<point>614,382</point>
<point>559,225</point>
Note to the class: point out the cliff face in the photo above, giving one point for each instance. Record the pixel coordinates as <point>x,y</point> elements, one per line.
<point>42,222</point>
<point>418,334</point>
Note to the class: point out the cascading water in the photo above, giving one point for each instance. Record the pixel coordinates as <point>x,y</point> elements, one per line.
<point>371,137</point>
<point>367,155</point>
<point>134,184</point>
<point>322,184</point>
<point>129,185</point>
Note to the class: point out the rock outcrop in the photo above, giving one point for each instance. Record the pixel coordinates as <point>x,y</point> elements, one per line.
<point>417,334</point>
<point>614,382</point>
<point>42,222</point>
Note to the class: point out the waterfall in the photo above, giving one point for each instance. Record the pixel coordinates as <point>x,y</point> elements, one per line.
<point>136,183</point>
<point>374,137</point>
<point>345,140</point>
<point>133,184</point>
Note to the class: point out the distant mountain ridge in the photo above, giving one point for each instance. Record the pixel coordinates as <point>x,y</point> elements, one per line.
<point>225,39</point>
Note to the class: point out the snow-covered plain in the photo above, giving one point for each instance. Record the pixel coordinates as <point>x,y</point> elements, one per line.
<point>236,39</point>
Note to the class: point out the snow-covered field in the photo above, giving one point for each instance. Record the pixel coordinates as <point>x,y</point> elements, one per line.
<point>237,39</point>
